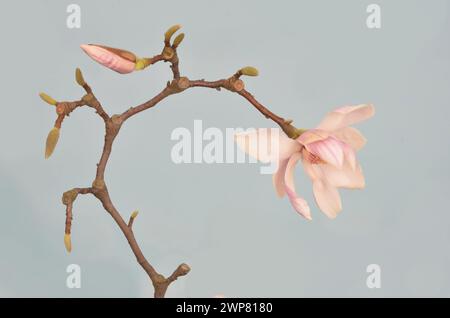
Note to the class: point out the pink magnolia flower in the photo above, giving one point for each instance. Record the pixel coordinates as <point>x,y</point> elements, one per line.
<point>118,60</point>
<point>328,155</point>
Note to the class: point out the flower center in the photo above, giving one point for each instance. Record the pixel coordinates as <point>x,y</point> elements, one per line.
<point>311,158</point>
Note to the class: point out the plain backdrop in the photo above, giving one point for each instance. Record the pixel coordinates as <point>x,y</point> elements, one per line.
<point>225,220</point>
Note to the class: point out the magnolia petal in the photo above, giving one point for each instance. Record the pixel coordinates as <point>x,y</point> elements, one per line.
<point>351,136</point>
<point>313,171</point>
<point>127,55</point>
<point>327,198</point>
<point>289,173</point>
<point>346,116</point>
<point>330,150</point>
<point>356,114</point>
<point>331,121</point>
<point>350,156</point>
<point>278,178</point>
<point>109,59</point>
<point>267,144</point>
<point>347,177</point>
<point>312,135</point>
<point>299,204</point>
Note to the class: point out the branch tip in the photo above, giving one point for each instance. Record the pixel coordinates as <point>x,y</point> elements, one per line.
<point>52,140</point>
<point>184,269</point>
<point>48,99</point>
<point>179,38</point>
<point>79,77</point>
<point>249,71</point>
<point>132,217</point>
<point>170,32</point>
<point>68,242</point>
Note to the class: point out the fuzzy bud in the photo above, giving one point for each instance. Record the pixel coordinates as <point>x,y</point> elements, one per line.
<point>249,71</point>
<point>68,242</point>
<point>79,77</point>
<point>69,196</point>
<point>52,140</point>
<point>49,100</point>
<point>170,32</point>
<point>178,40</point>
<point>134,214</point>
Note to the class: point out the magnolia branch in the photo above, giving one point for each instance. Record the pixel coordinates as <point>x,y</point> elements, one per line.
<point>113,125</point>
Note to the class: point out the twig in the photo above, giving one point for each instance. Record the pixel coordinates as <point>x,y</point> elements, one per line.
<point>131,220</point>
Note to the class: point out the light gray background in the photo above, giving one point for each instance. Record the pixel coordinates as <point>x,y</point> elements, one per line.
<point>225,220</point>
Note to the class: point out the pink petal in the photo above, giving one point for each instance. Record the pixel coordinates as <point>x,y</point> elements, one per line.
<point>312,170</point>
<point>290,168</point>
<point>346,116</point>
<point>267,144</point>
<point>278,178</point>
<point>347,177</point>
<point>299,204</point>
<point>331,121</point>
<point>356,114</point>
<point>109,59</point>
<point>327,198</point>
<point>350,156</point>
<point>330,150</point>
<point>312,135</point>
<point>350,136</point>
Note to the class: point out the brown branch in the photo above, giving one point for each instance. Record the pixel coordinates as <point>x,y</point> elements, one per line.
<point>175,66</point>
<point>229,84</point>
<point>113,125</point>
<point>152,102</point>
<point>154,59</point>
<point>68,228</point>
<point>160,283</point>
<point>67,199</point>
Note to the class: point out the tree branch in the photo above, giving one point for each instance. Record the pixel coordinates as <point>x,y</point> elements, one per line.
<point>113,125</point>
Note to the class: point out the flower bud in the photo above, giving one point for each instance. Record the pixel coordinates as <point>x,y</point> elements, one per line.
<point>49,100</point>
<point>249,71</point>
<point>134,214</point>
<point>118,60</point>
<point>79,77</point>
<point>170,32</point>
<point>52,140</point>
<point>68,242</point>
<point>178,40</point>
